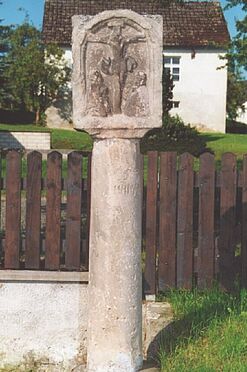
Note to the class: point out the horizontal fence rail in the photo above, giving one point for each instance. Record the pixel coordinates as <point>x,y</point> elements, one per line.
<point>194,217</point>
<point>44,211</point>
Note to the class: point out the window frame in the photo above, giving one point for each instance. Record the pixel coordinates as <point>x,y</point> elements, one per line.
<point>169,64</point>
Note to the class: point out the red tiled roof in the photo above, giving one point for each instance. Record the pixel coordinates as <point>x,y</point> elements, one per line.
<point>186,24</point>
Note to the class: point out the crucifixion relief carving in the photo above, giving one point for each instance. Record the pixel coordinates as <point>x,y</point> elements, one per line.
<point>109,92</point>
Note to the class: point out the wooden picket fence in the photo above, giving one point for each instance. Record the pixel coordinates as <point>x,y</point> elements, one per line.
<point>194,217</point>
<point>196,222</point>
<point>35,235</point>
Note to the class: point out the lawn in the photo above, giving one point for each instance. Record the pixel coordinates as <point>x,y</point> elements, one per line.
<point>70,139</point>
<point>220,143</point>
<point>78,140</point>
<point>209,333</point>
<point>60,138</point>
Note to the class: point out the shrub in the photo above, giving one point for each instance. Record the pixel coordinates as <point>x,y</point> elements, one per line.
<point>174,135</point>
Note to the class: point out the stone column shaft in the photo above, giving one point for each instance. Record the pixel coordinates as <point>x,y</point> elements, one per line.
<point>115,278</point>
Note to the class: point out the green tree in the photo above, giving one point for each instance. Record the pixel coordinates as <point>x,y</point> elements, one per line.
<point>167,92</point>
<point>237,63</point>
<point>238,52</point>
<point>35,73</point>
<point>236,95</point>
<point>4,46</point>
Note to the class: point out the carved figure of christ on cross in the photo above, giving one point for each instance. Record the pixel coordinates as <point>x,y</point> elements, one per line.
<point>119,64</point>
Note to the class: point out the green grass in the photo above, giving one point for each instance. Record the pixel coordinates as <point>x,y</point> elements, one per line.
<point>209,332</point>
<point>70,139</point>
<point>78,140</point>
<point>23,128</point>
<point>60,138</point>
<point>220,143</point>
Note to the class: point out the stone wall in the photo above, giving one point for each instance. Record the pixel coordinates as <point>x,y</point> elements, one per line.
<point>43,317</point>
<point>43,322</point>
<point>25,140</point>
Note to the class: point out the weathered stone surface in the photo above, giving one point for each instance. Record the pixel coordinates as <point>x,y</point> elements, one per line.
<point>156,317</point>
<point>114,328</point>
<point>117,73</point>
<point>55,118</point>
<point>43,325</point>
<point>116,97</point>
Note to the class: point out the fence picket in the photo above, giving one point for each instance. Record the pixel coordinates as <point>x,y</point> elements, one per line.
<point>167,220</point>
<point>244,225</point>
<point>185,222</point>
<point>73,215</point>
<point>33,210</point>
<point>206,221</point>
<point>227,220</point>
<point>86,253</point>
<point>53,211</point>
<point>13,210</point>
<point>151,224</point>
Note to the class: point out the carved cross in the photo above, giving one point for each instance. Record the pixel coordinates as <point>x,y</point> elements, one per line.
<point>120,64</point>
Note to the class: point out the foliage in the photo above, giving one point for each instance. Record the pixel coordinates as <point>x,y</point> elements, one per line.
<point>167,92</point>
<point>209,332</point>
<point>5,32</point>
<point>35,73</point>
<point>239,45</point>
<point>236,95</point>
<point>237,63</point>
<point>174,135</point>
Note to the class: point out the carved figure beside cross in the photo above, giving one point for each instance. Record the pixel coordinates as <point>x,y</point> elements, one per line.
<point>119,64</point>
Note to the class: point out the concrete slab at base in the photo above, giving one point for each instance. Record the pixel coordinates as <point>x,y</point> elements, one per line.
<point>156,316</point>
<point>43,322</point>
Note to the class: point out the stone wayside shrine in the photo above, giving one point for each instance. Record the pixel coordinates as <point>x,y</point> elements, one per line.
<point>117,98</point>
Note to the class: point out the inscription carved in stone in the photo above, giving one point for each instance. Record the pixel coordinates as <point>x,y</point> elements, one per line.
<point>126,189</point>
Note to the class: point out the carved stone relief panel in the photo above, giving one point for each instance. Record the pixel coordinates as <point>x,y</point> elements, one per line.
<point>117,71</point>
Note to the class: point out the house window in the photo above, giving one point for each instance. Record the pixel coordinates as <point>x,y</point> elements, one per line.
<point>172,65</point>
<point>175,104</point>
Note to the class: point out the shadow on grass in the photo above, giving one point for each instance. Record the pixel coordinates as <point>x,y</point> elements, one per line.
<point>194,313</point>
<point>236,127</point>
<point>210,137</point>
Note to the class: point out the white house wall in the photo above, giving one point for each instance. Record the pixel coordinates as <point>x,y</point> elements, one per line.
<point>201,90</point>
<point>68,56</point>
